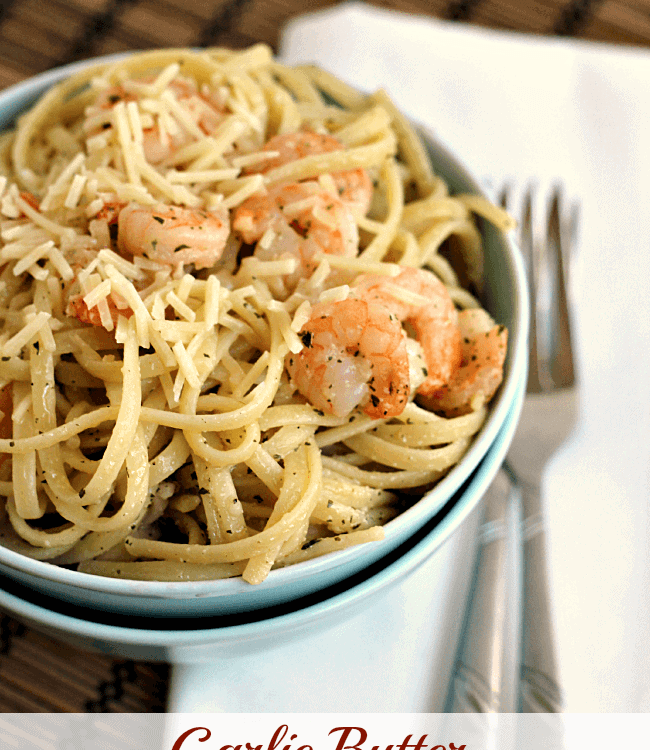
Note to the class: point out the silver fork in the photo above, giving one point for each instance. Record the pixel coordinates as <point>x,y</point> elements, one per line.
<point>548,417</point>
<point>481,679</point>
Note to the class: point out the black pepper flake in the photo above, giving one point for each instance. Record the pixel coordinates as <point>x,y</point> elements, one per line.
<point>82,492</point>
<point>306,338</point>
<point>374,399</point>
<point>181,247</point>
<point>203,491</point>
<point>298,229</point>
<point>6,359</point>
<point>309,544</point>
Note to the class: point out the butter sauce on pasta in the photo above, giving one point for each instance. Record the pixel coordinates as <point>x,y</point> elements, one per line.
<point>183,235</point>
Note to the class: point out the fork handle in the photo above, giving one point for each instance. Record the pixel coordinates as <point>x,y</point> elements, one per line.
<point>539,679</point>
<point>478,679</point>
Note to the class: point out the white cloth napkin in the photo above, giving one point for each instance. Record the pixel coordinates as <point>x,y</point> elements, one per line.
<point>516,107</point>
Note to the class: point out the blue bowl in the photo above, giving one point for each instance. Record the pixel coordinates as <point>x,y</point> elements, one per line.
<point>189,640</point>
<point>506,299</point>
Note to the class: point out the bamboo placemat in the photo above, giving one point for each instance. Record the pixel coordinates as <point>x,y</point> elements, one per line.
<point>38,674</point>
<point>39,34</point>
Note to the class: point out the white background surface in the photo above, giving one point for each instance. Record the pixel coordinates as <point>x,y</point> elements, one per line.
<point>518,107</point>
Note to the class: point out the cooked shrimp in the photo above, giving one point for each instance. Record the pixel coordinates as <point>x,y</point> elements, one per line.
<point>172,234</point>
<point>304,220</point>
<point>73,298</point>
<point>77,308</point>
<point>475,381</point>
<point>110,212</point>
<point>354,186</point>
<point>157,144</point>
<point>31,200</point>
<point>355,354</point>
<point>418,298</point>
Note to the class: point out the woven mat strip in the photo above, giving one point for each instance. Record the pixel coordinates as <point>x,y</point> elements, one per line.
<point>39,674</point>
<point>38,34</point>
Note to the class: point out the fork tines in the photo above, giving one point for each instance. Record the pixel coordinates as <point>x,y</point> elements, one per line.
<point>543,241</point>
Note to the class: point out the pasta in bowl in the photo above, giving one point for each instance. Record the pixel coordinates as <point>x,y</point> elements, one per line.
<point>241,328</point>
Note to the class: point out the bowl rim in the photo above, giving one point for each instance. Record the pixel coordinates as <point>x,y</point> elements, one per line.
<point>294,617</point>
<point>427,506</point>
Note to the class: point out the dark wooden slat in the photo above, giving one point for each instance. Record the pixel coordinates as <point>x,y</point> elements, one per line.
<point>536,17</point>
<point>62,22</point>
<point>39,674</point>
<point>157,26</point>
<point>619,23</point>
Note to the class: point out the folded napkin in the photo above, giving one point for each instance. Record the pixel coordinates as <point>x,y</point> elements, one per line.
<point>520,108</point>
